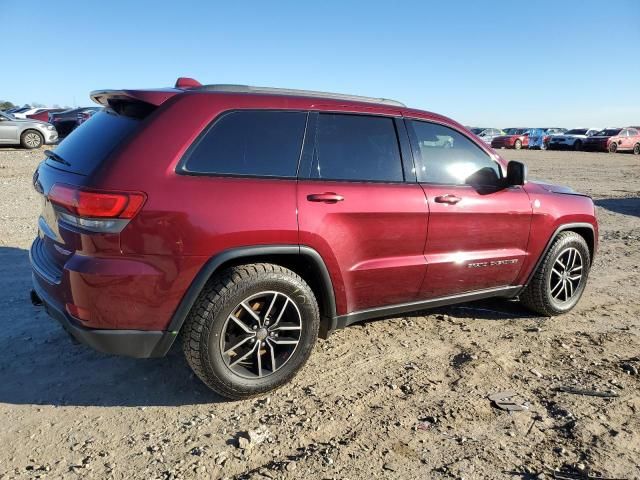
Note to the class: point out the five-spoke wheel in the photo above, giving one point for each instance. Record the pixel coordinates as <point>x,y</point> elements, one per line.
<point>261,334</point>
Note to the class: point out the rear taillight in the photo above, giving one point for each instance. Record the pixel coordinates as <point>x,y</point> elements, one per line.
<point>95,210</point>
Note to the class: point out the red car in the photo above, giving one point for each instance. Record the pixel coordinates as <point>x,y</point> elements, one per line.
<point>43,116</point>
<point>249,221</point>
<point>628,140</point>
<point>515,138</point>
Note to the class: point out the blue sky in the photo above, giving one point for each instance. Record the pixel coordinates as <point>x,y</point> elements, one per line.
<point>487,62</point>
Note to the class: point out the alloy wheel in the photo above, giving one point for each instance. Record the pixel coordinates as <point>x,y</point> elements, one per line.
<point>32,140</point>
<point>261,334</point>
<point>566,275</point>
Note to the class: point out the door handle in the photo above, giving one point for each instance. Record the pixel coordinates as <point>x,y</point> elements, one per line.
<point>448,199</point>
<point>327,197</point>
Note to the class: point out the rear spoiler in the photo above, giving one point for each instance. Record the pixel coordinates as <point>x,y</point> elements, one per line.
<point>156,98</point>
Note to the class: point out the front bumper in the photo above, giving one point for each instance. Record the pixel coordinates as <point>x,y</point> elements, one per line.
<point>595,147</point>
<point>50,137</point>
<point>129,343</point>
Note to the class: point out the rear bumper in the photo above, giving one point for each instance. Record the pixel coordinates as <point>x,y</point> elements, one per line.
<point>129,343</point>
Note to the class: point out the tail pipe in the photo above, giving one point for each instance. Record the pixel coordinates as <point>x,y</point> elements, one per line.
<point>36,301</point>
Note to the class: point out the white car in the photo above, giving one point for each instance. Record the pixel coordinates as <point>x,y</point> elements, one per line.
<point>571,139</point>
<point>31,111</point>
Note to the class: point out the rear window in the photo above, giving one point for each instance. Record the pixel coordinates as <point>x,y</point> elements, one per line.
<point>250,143</point>
<point>92,142</point>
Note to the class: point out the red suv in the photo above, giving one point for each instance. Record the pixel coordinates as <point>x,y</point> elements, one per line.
<point>251,220</point>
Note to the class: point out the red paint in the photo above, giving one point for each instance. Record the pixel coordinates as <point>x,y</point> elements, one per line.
<point>382,243</point>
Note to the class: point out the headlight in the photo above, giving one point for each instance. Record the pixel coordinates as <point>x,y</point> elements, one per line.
<point>50,127</point>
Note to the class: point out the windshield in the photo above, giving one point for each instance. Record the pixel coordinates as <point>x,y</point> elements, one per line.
<point>608,132</point>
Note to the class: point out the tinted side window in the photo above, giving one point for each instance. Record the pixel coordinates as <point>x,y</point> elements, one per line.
<point>356,147</point>
<point>448,157</point>
<point>261,143</point>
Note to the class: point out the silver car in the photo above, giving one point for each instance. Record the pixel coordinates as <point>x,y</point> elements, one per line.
<point>26,132</point>
<point>487,134</point>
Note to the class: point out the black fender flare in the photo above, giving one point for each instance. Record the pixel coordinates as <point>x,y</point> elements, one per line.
<point>561,228</point>
<point>214,263</point>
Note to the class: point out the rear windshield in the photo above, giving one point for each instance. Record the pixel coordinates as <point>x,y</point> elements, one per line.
<point>92,142</point>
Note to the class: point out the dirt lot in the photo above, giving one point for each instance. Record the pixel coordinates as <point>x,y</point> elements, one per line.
<point>398,398</point>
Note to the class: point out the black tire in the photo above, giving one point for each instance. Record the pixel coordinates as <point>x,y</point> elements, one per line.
<point>31,139</point>
<point>204,327</point>
<point>517,145</point>
<point>578,145</point>
<point>636,149</point>
<point>613,148</point>
<point>537,296</point>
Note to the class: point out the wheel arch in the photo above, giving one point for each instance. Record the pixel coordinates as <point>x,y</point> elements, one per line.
<point>585,230</point>
<point>303,260</point>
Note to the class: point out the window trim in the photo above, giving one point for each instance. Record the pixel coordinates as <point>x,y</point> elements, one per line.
<point>181,167</point>
<point>418,155</point>
<point>306,163</point>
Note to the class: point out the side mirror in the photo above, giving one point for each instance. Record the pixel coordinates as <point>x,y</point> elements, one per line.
<point>516,173</point>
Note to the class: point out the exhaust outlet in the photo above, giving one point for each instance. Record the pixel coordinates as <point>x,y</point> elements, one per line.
<point>35,299</point>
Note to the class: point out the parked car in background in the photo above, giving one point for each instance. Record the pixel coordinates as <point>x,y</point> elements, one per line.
<point>15,110</point>
<point>128,266</point>
<point>487,134</point>
<point>599,142</point>
<point>85,115</point>
<point>513,138</point>
<point>539,137</point>
<point>628,140</point>
<point>26,132</point>
<point>571,139</point>
<point>30,111</point>
<point>43,115</point>
<point>66,121</point>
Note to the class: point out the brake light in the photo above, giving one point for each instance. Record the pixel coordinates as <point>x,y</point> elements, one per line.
<point>94,203</point>
<point>95,210</point>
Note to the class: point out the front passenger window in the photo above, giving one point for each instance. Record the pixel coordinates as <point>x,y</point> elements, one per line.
<point>445,156</point>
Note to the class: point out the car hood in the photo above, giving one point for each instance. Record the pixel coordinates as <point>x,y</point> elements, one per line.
<point>565,136</point>
<point>553,188</point>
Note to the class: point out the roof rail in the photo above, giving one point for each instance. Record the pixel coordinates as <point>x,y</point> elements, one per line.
<point>293,92</point>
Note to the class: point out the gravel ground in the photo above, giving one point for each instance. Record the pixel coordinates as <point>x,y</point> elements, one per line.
<point>416,406</point>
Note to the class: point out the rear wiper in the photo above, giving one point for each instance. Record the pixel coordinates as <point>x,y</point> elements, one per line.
<point>56,158</point>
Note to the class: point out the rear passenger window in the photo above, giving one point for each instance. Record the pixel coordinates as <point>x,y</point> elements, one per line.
<point>445,156</point>
<point>356,147</point>
<point>259,143</point>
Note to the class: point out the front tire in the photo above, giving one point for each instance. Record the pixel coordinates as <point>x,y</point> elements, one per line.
<point>613,148</point>
<point>577,146</point>
<point>251,330</point>
<point>636,149</point>
<point>31,139</point>
<point>517,145</point>
<point>561,277</point>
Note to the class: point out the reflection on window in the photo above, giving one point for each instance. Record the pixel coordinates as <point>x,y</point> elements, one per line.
<point>448,157</point>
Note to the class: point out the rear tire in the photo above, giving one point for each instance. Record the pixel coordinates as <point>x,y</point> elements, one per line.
<point>578,145</point>
<point>31,139</point>
<point>613,148</point>
<point>517,145</point>
<point>561,277</point>
<point>224,316</point>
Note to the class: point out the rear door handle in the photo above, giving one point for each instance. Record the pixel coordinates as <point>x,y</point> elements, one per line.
<point>448,199</point>
<point>327,197</point>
